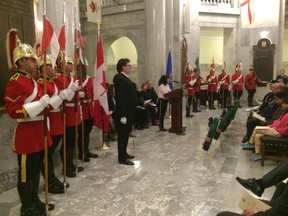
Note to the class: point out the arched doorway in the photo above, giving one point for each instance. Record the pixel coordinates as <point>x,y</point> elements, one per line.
<point>122,47</point>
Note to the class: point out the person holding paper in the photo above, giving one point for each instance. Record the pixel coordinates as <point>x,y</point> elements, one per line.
<point>269,110</point>
<point>278,203</point>
<point>278,128</point>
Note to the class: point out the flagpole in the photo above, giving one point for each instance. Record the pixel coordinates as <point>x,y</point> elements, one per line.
<point>81,110</point>
<point>104,146</point>
<point>76,93</point>
<point>64,111</point>
<point>45,121</point>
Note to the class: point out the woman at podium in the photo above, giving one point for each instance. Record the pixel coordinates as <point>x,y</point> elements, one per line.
<point>163,88</point>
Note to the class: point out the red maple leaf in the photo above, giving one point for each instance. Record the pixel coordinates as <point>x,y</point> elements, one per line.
<point>92,5</point>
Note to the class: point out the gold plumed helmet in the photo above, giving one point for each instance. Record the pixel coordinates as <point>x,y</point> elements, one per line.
<point>17,50</point>
<point>41,61</point>
<point>60,60</point>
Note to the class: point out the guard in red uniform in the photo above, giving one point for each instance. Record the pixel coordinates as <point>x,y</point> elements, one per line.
<point>197,83</point>
<point>189,85</point>
<point>55,186</point>
<point>25,101</point>
<point>86,96</point>
<point>212,88</point>
<point>72,103</point>
<point>223,83</point>
<point>237,81</point>
<point>250,85</point>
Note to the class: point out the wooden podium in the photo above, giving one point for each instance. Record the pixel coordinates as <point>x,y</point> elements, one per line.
<point>176,111</point>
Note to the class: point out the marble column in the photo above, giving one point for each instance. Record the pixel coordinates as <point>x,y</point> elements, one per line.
<point>176,37</point>
<point>156,40</point>
<point>230,49</point>
<point>193,36</point>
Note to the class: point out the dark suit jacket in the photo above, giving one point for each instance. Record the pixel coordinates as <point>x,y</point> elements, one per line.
<point>126,99</point>
<point>280,207</point>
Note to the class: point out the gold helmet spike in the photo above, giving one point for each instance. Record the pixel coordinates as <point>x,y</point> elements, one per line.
<point>12,41</point>
<point>41,61</point>
<point>69,60</point>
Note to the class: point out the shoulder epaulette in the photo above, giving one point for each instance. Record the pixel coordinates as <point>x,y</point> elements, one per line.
<point>40,80</point>
<point>15,76</point>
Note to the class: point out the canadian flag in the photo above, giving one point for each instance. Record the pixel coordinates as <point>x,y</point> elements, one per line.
<point>49,37</point>
<point>248,3</point>
<point>100,91</point>
<point>94,11</point>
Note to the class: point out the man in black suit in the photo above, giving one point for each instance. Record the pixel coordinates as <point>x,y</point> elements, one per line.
<point>126,100</point>
<point>279,201</point>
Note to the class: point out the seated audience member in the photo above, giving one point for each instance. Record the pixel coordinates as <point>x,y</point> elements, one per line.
<point>278,203</point>
<point>142,114</point>
<point>112,108</point>
<point>151,92</point>
<point>150,106</point>
<point>278,128</point>
<point>266,110</point>
<point>282,77</point>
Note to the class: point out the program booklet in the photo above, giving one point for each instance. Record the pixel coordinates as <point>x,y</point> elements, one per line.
<point>259,117</point>
<point>249,200</point>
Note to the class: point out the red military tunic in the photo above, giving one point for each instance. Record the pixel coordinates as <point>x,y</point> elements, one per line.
<point>87,107</point>
<point>238,86</point>
<point>55,116</point>
<point>70,105</point>
<point>197,84</point>
<point>188,79</point>
<point>250,81</point>
<point>224,77</point>
<point>29,132</point>
<point>212,85</point>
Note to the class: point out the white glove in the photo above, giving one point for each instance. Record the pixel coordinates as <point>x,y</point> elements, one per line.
<point>56,101</point>
<point>81,94</point>
<point>210,79</point>
<point>63,94</point>
<point>70,94</point>
<point>44,100</point>
<point>75,85</point>
<point>35,108</point>
<point>123,120</point>
<point>192,82</point>
<point>235,81</point>
<point>221,82</point>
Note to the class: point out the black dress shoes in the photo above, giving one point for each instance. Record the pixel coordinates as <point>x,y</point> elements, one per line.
<point>92,155</point>
<point>32,210</point>
<point>126,162</point>
<point>162,129</point>
<point>54,188</point>
<point>41,205</point>
<point>130,156</point>
<point>252,185</point>
<point>80,169</point>
<point>86,158</point>
<point>70,173</point>
<point>189,116</point>
<point>61,183</point>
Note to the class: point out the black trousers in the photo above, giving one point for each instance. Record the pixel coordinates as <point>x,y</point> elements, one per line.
<point>250,96</point>
<point>276,175</point>
<point>237,94</point>
<point>141,116</point>
<point>152,113</point>
<point>188,105</point>
<point>250,126</point>
<point>162,108</point>
<point>211,99</point>
<point>223,97</point>
<point>88,125</point>
<point>29,176</point>
<point>51,174</point>
<point>70,145</point>
<point>123,137</point>
<point>195,100</point>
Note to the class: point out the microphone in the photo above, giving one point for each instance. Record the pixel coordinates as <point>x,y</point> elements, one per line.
<point>174,81</point>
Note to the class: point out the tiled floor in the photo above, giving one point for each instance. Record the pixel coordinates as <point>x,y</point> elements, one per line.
<point>172,176</point>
